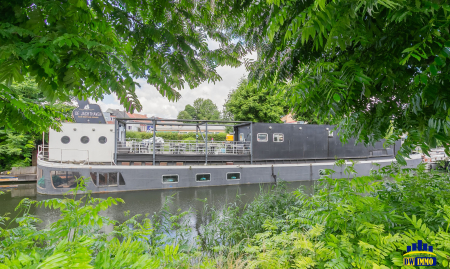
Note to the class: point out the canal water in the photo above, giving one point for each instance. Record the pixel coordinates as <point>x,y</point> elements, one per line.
<point>143,202</point>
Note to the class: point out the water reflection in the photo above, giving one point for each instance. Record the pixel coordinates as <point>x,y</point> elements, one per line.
<point>143,202</point>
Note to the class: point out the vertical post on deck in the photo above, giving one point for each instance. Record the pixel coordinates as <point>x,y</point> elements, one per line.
<point>196,138</point>
<point>116,137</point>
<point>206,145</point>
<point>251,143</point>
<point>154,142</point>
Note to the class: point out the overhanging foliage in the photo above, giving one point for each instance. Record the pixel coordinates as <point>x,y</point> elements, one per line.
<point>92,48</point>
<point>380,66</point>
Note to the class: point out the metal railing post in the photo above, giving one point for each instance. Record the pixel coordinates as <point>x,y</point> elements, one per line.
<point>251,143</point>
<point>154,145</point>
<point>206,145</point>
<point>116,137</point>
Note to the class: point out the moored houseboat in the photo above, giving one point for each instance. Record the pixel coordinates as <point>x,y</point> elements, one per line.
<point>259,153</point>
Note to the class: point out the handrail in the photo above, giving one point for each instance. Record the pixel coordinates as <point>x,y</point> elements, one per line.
<point>41,151</point>
<point>184,147</point>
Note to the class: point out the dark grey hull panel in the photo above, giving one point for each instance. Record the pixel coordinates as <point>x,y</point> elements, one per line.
<point>150,177</point>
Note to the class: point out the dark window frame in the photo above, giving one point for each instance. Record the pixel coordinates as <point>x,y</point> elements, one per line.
<point>282,135</point>
<point>74,175</point>
<point>210,179</point>
<point>162,178</point>
<point>267,137</point>
<point>233,173</point>
<point>243,138</point>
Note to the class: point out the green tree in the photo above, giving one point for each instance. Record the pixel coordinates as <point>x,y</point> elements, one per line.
<point>205,109</point>
<point>202,109</point>
<point>246,103</point>
<point>379,66</point>
<point>17,140</point>
<point>309,115</point>
<point>191,111</point>
<point>15,149</point>
<point>92,48</point>
<point>184,115</point>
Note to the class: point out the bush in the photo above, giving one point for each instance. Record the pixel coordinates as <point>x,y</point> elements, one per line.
<point>364,222</point>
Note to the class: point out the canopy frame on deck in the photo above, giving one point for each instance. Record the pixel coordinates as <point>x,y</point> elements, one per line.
<point>180,122</point>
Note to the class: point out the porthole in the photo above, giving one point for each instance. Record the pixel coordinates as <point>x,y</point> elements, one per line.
<point>84,139</point>
<point>102,139</point>
<point>65,139</point>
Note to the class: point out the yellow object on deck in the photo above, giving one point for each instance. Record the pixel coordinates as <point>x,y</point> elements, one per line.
<point>230,137</point>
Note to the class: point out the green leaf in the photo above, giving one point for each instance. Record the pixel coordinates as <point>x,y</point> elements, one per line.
<point>415,56</point>
<point>433,69</point>
<point>439,61</point>
<point>446,52</point>
<point>412,48</point>
<point>424,78</point>
<point>337,97</point>
<point>417,79</point>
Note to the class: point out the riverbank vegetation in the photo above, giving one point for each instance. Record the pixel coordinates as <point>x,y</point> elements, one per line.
<point>363,222</point>
<point>18,139</point>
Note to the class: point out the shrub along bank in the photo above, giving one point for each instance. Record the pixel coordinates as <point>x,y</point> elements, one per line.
<point>174,136</point>
<point>363,222</point>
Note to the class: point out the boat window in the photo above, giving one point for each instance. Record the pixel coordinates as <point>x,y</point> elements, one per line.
<point>262,137</point>
<point>112,179</point>
<point>330,134</point>
<point>121,180</point>
<point>102,139</point>
<point>65,139</point>
<point>170,178</point>
<point>241,137</point>
<point>64,179</point>
<point>102,179</point>
<point>41,181</point>
<point>202,177</point>
<point>278,137</point>
<point>234,176</point>
<point>94,178</point>
<point>84,139</point>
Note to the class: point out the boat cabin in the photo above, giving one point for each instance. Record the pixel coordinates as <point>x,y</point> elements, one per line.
<point>253,143</point>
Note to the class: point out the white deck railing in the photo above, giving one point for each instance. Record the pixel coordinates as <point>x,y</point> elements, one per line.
<point>44,155</point>
<point>183,147</point>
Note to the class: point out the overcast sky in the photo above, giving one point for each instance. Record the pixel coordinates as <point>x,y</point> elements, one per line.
<point>154,104</point>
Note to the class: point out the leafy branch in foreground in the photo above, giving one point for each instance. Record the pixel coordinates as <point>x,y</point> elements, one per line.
<point>375,65</point>
<point>87,49</point>
<point>76,238</point>
<point>355,222</point>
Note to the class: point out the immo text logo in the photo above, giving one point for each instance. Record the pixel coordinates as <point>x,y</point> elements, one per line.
<point>428,258</point>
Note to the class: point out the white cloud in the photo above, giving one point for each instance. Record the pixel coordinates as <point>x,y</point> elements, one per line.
<point>153,104</point>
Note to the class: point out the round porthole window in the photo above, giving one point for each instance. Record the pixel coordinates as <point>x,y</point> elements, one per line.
<point>102,139</point>
<point>65,139</point>
<point>84,139</point>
